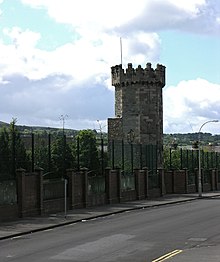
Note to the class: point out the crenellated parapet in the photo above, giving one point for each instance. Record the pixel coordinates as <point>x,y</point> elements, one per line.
<point>139,74</point>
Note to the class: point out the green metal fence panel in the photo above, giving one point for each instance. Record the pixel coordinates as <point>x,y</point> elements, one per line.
<point>153,181</point>
<point>191,178</point>
<point>218,176</point>
<point>96,184</point>
<point>127,181</point>
<point>53,189</point>
<point>8,192</point>
<point>206,176</point>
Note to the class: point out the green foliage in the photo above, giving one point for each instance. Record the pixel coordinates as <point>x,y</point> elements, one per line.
<point>12,151</point>
<point>103,158</point>
<point>172,158</point>
<point>88,153</point>
<point>5,154</point>
<point>190,138</point>
<point>17,147</point>
<point>195,144</point>
<point>61,155</point>
<point>41,152</point>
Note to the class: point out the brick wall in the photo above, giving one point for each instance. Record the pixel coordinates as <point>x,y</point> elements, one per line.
<point>30,191</point>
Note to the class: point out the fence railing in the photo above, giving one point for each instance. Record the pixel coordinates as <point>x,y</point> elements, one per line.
<point>128,157</point>
<point>189,159</point>
<point>56,153</point>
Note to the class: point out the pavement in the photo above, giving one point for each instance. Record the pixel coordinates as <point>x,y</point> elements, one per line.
<point>22,226</point>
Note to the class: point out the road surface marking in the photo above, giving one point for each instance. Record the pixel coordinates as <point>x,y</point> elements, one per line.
<point>168,255</point>
<point>48,230</point>
<point>9,256</point>
<point>16,237</point>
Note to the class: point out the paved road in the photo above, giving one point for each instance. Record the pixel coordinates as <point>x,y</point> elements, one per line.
<point>187,231</point>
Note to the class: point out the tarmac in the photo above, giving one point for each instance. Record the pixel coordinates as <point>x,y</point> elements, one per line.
<point>27,225</point>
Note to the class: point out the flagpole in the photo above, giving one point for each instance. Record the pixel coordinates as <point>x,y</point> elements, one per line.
<point>121,49</point>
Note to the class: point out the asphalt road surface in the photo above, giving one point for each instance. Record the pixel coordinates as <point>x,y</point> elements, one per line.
<point>183,232</point>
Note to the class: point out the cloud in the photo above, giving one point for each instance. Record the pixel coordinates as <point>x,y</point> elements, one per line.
<point>42,101</point>
<point>100,26</point>
<point>200,16</point>
<point>81,59</point>
<point>189,104</point>
<point>96,14</point>
<point>197,16</point>
<point>23,40</point>
<point>37,86</point>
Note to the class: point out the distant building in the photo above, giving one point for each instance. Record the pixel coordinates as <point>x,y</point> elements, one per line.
<point>138,105</point>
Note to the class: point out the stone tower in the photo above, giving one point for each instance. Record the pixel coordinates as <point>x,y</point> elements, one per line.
<point>138,104</point>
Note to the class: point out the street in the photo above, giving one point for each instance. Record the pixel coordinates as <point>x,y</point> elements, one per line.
<point>183,232</point>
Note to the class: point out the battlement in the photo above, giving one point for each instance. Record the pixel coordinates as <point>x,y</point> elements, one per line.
<point>139,74</point>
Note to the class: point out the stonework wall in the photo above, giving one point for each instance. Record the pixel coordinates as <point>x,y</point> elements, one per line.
<point>118,103</point>
<point>115,128</point>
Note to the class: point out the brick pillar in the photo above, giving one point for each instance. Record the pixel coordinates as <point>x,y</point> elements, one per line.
<point>213,180</point>
<point>216,179</point>
<point>113,185</point>
<point>173,181</point>
<point>140,183</point>
<point>70,175</point>
<point>137,183</point>
<point>202,178</point>
<point>20,174</point>
<point>39,173</point>
<point>84,173</point>
<point>118,170</point>
<point>145,169</point>
<point>161,179</point>
<point>107,184</point>
<point>196,171</point>
<point>186,171</point>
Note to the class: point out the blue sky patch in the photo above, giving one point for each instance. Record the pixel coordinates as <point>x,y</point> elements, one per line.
<point>53,34</point>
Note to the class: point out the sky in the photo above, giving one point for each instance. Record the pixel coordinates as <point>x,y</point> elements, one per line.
<point>56,58</point>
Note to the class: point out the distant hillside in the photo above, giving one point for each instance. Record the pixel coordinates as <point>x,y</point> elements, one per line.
<point>190,138</point>
<point>3,124</point>
<point>40,129</point>
<point>180,139</point>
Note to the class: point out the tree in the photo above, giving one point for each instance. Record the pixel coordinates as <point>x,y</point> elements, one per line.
<point>19,156</point>
<point>4,152</point>
<point>41,152</point>
<point>61,155</point>
<point>12,151</point>
<point>88,153</point>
